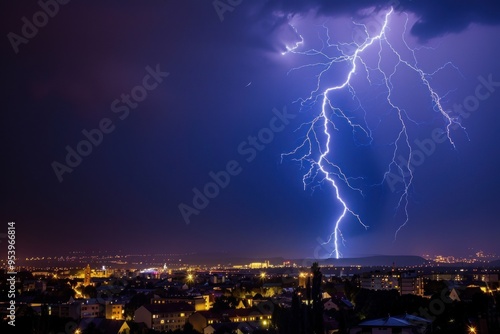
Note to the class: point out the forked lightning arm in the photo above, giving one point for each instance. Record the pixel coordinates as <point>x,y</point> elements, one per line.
<point>318,156</point>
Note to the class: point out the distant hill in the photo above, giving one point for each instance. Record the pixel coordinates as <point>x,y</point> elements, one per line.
<point>495,263</point>
<point>227,258</point>
<point>379,260</point>
<point>224,258</point>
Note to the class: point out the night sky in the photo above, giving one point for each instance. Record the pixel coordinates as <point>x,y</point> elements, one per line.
<point>210,76</point>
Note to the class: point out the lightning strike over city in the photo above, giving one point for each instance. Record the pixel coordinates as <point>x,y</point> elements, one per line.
<point>319,164</point>
<point>315,151</point>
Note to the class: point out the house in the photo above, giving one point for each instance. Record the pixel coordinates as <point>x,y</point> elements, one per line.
<point>92,308</point>
<point>252,317</point>
<point>115,311</point>
<point>329,305</point>
<point>406,324</point>
<point>232,327</point>
<point>66,310</point>
<point>202,319</point>
<point>469,293</point>
<point>423,325</point>
<point>244,315</point>
<point>244,303</point>
<point>164,317</point>
<point>34,285</point>
<point>199,302</point>
<point>104,326</point>
<point>453,295</point>
<point>337,304</point>
<point>225,327</point>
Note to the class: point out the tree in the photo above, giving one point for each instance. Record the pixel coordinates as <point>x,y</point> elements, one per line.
<point>297,321</point>
<point>89,291</point>
<point>434,287</point>
<point>224,303</point>
<point>91,329</point>
<point>317,299</point>
<point>351,287</point>
<point>372,304</point>
<point>135,302</point>
<point>189,329</point>
<point>65,293</point>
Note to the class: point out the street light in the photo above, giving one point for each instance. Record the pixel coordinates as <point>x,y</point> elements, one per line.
<point>262,277</point>
<point>190,278</point>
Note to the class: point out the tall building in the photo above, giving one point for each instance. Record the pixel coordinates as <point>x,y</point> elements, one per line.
<point>259,265</point>
<point>87,276</point>
<point>407,282</point>
<point>115,311</point>
<point>91,308</point>
<point>198,302</point>
<point>164,317</point>
<point>411,283</point>
<point>380,281</point>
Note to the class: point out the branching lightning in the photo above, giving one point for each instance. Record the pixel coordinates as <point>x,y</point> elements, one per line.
<point>315,150</point>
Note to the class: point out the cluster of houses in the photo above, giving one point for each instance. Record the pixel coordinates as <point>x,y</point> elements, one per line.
<point>151,302</point>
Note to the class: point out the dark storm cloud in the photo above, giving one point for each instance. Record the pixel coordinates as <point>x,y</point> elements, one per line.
<point>435,18</point>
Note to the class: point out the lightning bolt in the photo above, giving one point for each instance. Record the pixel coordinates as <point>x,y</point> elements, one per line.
<point>315,150</point>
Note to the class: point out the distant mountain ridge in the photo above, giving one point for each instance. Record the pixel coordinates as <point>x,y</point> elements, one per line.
<point>495,263</point>
<point>378,260</point>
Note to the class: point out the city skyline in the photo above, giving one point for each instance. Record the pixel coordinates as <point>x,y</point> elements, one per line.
<point>163,130</point>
